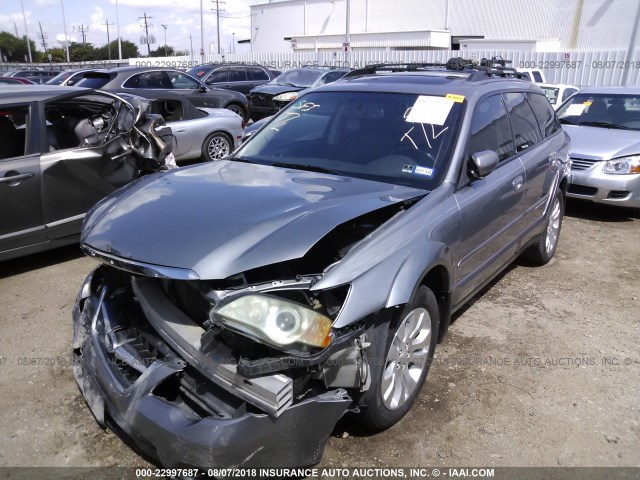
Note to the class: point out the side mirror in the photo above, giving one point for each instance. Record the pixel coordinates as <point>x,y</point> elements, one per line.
<point>203,89</point>
<point>483,163</point>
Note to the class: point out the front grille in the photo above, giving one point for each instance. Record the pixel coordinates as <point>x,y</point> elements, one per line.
<point>582,190</point>
<point>261,100</point>
<point>582,163</point>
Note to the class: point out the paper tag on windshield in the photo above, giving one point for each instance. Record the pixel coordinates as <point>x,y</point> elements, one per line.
<point>575,109</point>
<point>433,110</point>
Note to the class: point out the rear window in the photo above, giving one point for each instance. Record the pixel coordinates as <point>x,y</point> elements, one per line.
<point>93,80</point>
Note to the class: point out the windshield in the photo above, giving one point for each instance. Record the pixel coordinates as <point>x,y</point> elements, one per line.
<point>551,93</point>
<point>620,111</point>
<point>396,138</point>
<point>299,77</point>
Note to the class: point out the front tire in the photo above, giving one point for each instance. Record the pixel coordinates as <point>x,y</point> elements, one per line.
<point>544,248</point>
<point>400,356</point>
<point>238,110</point>
<point>216,146</point>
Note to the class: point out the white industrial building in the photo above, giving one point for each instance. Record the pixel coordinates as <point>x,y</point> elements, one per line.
<point>392,25</point>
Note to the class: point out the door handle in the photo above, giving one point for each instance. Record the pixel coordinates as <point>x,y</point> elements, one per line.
<point>14,178</point>
<point>517,183</point>
<point>181,130</point>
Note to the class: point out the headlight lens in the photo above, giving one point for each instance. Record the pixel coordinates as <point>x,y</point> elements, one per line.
<point>622,166</point>
<point>274,320</point>
<point>286,97</point>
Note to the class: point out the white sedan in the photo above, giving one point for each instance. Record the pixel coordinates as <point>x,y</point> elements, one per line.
<point>557,93</point>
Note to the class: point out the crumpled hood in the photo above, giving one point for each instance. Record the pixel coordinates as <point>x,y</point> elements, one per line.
<point>226,217</point>
<point>598,143</point>
<point>274,89</point>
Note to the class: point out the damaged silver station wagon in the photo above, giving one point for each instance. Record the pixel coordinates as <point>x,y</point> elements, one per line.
<point>243,306</point>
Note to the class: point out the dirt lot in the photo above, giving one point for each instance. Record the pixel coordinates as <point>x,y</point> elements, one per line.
<point>542,369</point>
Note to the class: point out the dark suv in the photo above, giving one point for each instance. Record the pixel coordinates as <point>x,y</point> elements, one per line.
<point>271,97</point>
<point>353,225</point>
<point>241,78</point>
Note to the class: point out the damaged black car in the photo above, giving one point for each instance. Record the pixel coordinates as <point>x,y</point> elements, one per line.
<point>61,151</point>
<point>242,307</point>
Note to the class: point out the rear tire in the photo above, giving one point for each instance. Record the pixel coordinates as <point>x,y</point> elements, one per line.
<point>400,356</point>
<point>542,251</point>
<point>216,146</point>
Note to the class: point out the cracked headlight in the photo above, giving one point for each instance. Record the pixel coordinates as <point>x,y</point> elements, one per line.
<point>622,166</point>
<point>276,321</point>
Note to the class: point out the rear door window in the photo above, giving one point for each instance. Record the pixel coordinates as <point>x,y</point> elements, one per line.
<point>218,76</point>
<point>544,113</point>
<point>526,131</point>
<point>237,74</point>
<point>14,122</point>
<point>256,74</point>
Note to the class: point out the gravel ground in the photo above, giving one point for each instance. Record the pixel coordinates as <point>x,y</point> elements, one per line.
<point>540,369</point>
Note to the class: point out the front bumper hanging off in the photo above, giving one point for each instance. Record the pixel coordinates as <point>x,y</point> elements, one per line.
<point>135,386</point>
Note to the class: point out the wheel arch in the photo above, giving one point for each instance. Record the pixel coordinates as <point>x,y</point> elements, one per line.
<point>431,267</point>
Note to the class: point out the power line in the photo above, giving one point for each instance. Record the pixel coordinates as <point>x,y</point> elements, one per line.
<point>217,10</point>
<point>146,32</point>
<point>83,29</point>
<point>43,38</point>
<point>106,23</point>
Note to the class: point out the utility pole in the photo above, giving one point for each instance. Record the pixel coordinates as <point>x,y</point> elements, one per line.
<point>26,32</point>
<point>217,10</point>
<point>43,38</point>
<point>66,38</point>
<point>165,39</point>
<point>201,33</point>
<point>118,31</point>
<point>347,37</point>
<point>15,26</point>
<point>83,29</point>
<point>106,23</point>
<point>191,43</point>
<point>146,32</point>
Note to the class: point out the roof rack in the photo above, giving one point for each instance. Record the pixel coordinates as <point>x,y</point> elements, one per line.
<point>475,69</point>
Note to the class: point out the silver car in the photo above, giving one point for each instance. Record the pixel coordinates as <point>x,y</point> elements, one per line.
<point>206,133</point>
<point>604,126</point>
<point>243,306</point>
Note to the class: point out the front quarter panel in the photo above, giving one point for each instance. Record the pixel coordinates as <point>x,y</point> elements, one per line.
<point>384,269</point>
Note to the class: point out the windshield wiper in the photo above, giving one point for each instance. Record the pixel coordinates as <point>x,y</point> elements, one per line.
<point>243,160</point>
<point>605,125</point>
<point>308,168</point>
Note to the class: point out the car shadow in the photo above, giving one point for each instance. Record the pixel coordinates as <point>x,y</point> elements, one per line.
<point>600,212</point>
<point>36,261</point>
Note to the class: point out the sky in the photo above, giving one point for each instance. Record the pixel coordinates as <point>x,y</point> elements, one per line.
<point>182,18</point>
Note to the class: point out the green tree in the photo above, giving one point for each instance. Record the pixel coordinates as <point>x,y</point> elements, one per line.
<point>15,49</point>
<point>82,52</point>
<point>129,50</point>
<point>160,51</point>
<point>58,55</point>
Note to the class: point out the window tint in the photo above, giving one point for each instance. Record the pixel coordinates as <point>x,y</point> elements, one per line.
<point>490,129</point>
<point>181,80</point>
<point>544,113</point>
<point>567,93</point>
<point>255,73</point>
<point>219,76</point>
<point>537,76</point>
<point>332,77</point>
<point>526,131</point>
<point>149,80</point>
<point>13,131</point>
<point>236,74</point>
